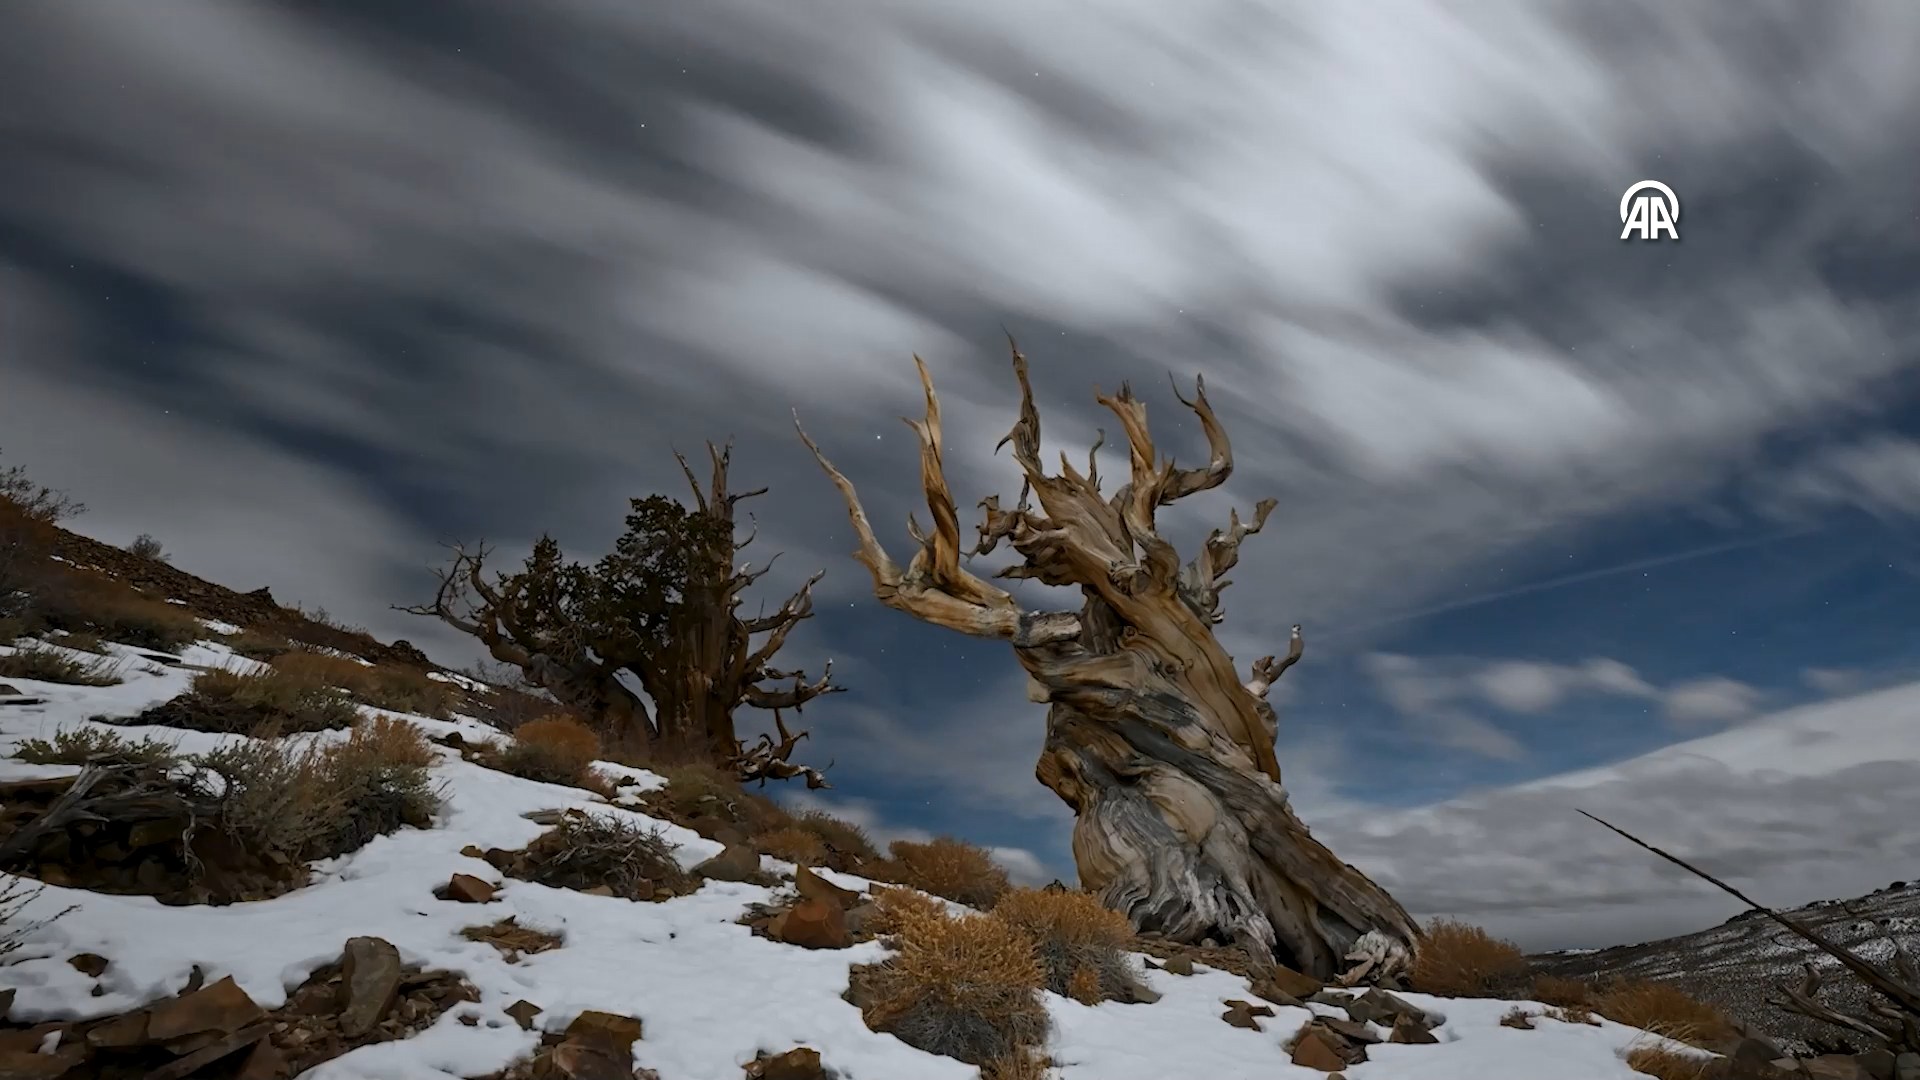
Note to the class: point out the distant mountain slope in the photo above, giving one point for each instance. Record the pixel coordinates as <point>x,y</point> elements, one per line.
<point>1740,963</point>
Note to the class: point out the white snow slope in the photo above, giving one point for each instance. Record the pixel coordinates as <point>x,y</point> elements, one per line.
<point>709,993</point>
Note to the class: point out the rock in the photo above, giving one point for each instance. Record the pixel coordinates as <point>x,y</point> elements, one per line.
<point>857,919</point>
<point>1379,1007</point>
<point>1750,1051</point>
<point>1241,1015</point>
<point>467,889</point>
<point>589,1061</point>
<point>190,1065</point>
<point>220,1007</point>
<point>473,851</point>
<point>27,1065</point>
<point>816,924</point>
<point>1517,1019</point>
<point>1250,1007</point>
<point>611,1030</point>
<point>264,1062</point>
<point>523,1012</point>
<point>1406,1029</point>
<point>598,890</point>
<point>799,1063</point>
<point>1878,1063</point>
<point>1348,1029</point>
<point>1833,1067</point>
<point>119,1033</point>
<point>812,886</point>
<point>736,862</point>
<point>6,1002</point>
<point>1287,981</point>
<point>1906,1067</point>
<point>1180,965</point>
<point>92,965</point>
<point>1315,1050</point>
<point>8,690</point>
<point>369,983</point>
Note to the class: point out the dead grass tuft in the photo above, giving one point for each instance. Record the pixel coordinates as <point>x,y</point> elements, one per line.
<point>966,988</point>
<point>1557,990</point>
<point>1571,1014</point>
<point>585,850</point>
<point>41,664</point>
<point>91,746</point>
<point>274,701</point>
<point>83,602</point>
<point>389,686</point>
<point>512,939</point>
<point>553,750</point>
<point>701,795</point>
<point>848,847</point>
<point>1456,959</point>
<point>794,844</point>
<point>1667,1063</point>
<point>943,866</point>
<point>1664,1009</point>
<point>1082,946</point>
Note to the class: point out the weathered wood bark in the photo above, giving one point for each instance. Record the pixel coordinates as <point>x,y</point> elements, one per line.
<point>573,630</point>
<point>1164,754</point>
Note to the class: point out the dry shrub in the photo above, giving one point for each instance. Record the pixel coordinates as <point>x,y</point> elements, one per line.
<point>965,988</point>
<point>83,641</point>
<point>1558,990</point>
<point>553,750</point>
<point>699,793</point>
<point>1667,1063</point>
<point>1456,959</point>
<point>1571,1014</point>
<point>259,645</point>
<point>91,746</point>
<point>896,910</point>
<point>231,702</point>
<point>1081,946</point>
<point>943,866</point>
<point>1025,1065</point>
<point>84,602</point>
<point>848,847</point>
<point>389,686</point>
<point>320,801</point>
<point>41,664</point>
<point>794,844</point>
<point>1664,1009</point>
<point>585,850</point>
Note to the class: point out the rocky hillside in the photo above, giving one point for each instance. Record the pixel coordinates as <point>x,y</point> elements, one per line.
<point>1740,963</point>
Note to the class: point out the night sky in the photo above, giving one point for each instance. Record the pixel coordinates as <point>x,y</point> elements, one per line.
<point>305,290</point>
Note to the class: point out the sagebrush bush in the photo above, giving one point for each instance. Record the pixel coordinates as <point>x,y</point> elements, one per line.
<point>393,687</point>
<point>1557,990</point>
<point>85,746</point>
<point>966,988</point>
<point>42,664</point>
<point>585,850</point>
<point>316,801</point>
<point>895,910</point>
<point>847,846</point>
<point>272,701</point>
<point>78,601</point>
<point>259,645</point>
<point>697,791</point>
<point>1082,946</point>
<point>553,750</point>
<point>1663,1008</point>
<point>1456,959</point>
<point>146,547</point>
<point>794,844</point>
<point>943,866</point>
<point>1667,1063</point>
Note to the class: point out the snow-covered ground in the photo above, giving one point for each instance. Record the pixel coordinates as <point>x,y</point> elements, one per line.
<point>710,993</point>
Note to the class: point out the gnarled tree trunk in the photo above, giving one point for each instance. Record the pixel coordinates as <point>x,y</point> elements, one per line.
<point>1164,754</point>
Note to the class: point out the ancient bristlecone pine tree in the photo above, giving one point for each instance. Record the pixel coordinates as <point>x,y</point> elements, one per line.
<point>663,606</point>
<point>1164,753</point>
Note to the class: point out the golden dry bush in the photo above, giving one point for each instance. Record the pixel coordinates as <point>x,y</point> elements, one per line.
<point>794,844</point>
<point>1557,990</point>
<point>700,795</point>
<point>1082,946</point>
<point>390,739</point>
<point>955,869</point>
<point>896,909</point>
<point>389,686</point>
<point>91,746</point>
<point>234,702</point>
<point>82,602</point>
<point>1664,1009</point>
<point>1667,1063</point>
<point>1456,959</point>
<point>848,847</point>
<point>553,750</point>
<point>965,988</point>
